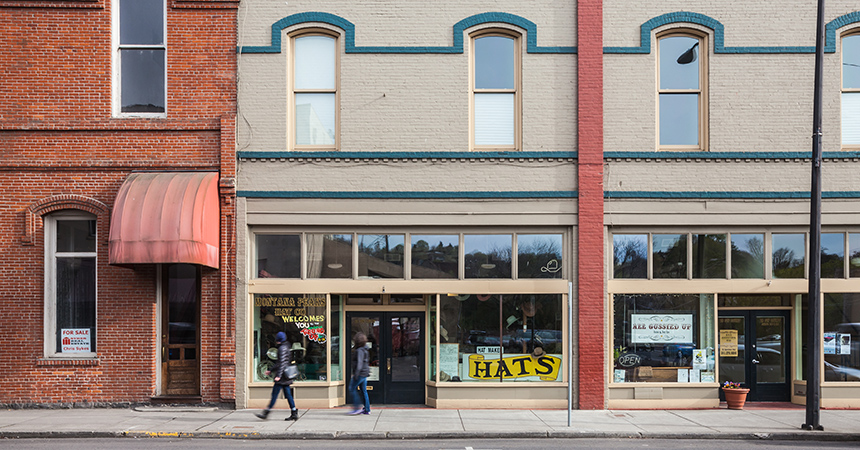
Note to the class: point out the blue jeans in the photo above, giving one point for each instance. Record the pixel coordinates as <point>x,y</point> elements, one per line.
<point>356,384</point>
<point>276,390</point>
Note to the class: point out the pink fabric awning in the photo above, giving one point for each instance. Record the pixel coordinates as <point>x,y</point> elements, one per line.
<point>166,217</point>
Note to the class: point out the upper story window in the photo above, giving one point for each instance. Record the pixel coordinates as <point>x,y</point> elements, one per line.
<point>314,106</point>
<point>70,285</point>
<point>495,87</point>
<point>140,58</point>
<point>851,90</point>
<point>681,92</point>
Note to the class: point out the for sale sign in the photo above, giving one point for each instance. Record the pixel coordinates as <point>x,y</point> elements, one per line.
<point>75,340</point>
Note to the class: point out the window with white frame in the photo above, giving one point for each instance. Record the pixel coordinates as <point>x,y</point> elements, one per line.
<point>70,285</point>
<point>314,91</point>
<point>851,90</point>
<point>140,58</point>
<point>681,71</point>
<point>495,89</point>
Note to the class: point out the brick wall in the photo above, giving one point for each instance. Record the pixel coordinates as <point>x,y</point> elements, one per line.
<point>57,137</point>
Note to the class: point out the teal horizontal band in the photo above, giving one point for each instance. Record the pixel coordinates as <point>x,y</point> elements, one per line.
<point>704,195</point>
<point>727,155</point>
<point>409,194</point>
<point>457,47</point>
<point>405,155</point>
<point>719,35</point>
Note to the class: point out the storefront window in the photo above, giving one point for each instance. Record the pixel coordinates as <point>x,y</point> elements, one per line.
<point>435,256</point>
<point>380,256</point>
<point>709,256</point>
<point>663,338</point>
<point>488,255</point>
<point>302,317</point>
<point>670,255</point>
<point>329,255</point>
<point>279,256</point>
<point>747,256</point>
<point>630,255</point>
<point>841,346</point>
<point>832,255</point>
<point>539,255</point>
<point>493,338</point>
<point>789,251</point>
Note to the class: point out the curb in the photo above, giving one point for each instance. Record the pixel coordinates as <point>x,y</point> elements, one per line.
<point>817,436</point>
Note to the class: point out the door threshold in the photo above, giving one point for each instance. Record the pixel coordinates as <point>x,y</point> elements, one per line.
<point>176,400</point>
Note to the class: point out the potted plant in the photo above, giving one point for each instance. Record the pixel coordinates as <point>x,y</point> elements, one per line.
<point>736,395</point>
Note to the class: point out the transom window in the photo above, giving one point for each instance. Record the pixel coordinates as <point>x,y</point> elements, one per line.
<point>314,92</point>
<point>681,92</point>
<point>406,255</point>
<point>851,90</point>
<point>731,255</point>
<point>141,58</point>
<point>495,91</point>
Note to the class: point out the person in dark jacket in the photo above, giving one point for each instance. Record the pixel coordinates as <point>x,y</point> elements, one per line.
<point>282,381</point>
<point>360,371</point>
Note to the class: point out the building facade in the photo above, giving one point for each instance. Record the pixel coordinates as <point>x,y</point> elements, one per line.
<point>410,172</point>
<point>707,138</point>
<point>117,171</point>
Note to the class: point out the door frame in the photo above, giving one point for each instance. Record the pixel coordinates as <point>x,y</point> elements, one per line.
<point>162,349</point>
<point>763,392</point>
<point>384,390</point>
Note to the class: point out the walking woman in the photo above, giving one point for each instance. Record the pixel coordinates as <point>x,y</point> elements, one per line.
<point>360,371</point>
<point>282,381</point>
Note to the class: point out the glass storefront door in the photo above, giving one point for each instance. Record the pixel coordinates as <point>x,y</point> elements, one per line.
<point>755,351</point>
<point>180,350</point>
<point>396,342</point>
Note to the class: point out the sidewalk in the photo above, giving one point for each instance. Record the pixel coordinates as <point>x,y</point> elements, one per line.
<point>428,423</point>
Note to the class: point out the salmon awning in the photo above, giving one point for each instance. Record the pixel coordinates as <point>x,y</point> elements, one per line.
<point>166,217</point>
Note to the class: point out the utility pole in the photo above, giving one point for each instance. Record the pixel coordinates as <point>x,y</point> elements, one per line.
<point>813,338</point>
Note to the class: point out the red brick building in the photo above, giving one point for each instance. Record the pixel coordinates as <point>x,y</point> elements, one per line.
<point>117,166</point>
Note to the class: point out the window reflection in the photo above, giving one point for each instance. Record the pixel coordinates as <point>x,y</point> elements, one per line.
<point>630,255</point>
<point>279,256</point>
<point>329,255</point>
<point>670,255</point>
<point>788,255</point>
<point>539,256</point>
<point>832,255</point>
<point>679,90</point>
<point>747,255</point>
<point>709,256</point>
<point>380,255</point>
<point>435,256</point>
<point>854,255</point>
<point>488,256</point>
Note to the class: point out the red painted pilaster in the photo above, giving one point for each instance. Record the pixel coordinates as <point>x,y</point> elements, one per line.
<point>591,321</point>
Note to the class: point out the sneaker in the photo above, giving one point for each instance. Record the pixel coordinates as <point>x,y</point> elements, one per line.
<point>365,412</point>
<point>355,412</point>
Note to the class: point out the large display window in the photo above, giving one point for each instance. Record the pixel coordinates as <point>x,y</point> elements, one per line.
<point>303,318</point>
<point>500,338</point>
<point>663,338</point>
<point>841,346</point>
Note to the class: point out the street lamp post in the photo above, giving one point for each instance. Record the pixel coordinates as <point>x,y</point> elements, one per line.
<point>813,338</point>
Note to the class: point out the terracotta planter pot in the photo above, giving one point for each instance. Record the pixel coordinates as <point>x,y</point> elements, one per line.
<point>736,398</point>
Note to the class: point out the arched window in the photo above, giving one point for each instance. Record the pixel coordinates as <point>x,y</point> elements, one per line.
<point>681,91</point>
<point>851,90</point>
<point>495,88</point>
<point>314,91</point>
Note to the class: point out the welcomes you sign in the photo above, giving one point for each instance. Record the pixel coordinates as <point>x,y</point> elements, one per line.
<point>661,328</point>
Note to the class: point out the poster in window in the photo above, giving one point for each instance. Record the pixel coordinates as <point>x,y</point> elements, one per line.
<point>728,343</point>
<point>449,361</point>
<point>661,328</point>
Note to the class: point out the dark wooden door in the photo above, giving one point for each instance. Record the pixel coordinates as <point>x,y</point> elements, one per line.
<point>180,349</point>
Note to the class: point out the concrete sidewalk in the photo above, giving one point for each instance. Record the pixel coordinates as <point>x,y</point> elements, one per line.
<point>428,423</point>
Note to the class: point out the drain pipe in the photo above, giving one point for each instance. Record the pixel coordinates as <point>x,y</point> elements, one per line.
<point>569,349</point>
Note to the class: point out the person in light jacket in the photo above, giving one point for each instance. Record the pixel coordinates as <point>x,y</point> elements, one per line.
<point>282,381</point>
<point>360,371</point>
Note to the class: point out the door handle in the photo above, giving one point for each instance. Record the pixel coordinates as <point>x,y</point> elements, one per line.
<point>389,365</point>
<point>755,361</point>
